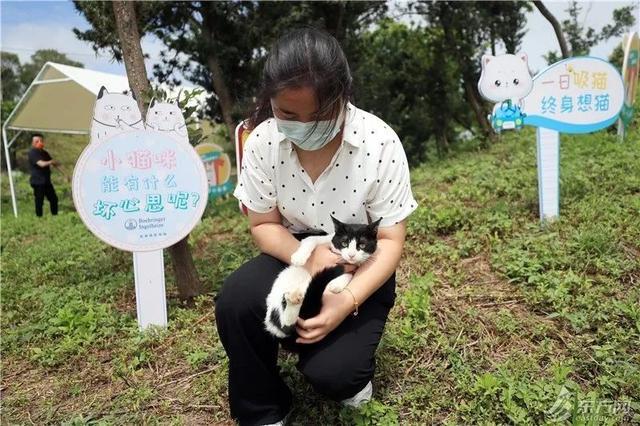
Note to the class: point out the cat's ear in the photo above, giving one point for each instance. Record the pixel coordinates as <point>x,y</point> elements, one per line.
<point>152,103</point>
<point>486,59</point>
<point>374,225</point>
<point>523,57</point>
<point>102,91</point>
<point>337,224</point>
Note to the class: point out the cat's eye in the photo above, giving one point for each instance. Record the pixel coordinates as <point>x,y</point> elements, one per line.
<point>126,108</point>
<point>361,246</point>
<point>155,112</point>
<point>344,243</point>
<point>170,112</point>
<point>109,107</point>
<point>497,83</point>
<point>516,81</point>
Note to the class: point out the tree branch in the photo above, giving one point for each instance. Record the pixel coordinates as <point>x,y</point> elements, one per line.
<point>556,27</point>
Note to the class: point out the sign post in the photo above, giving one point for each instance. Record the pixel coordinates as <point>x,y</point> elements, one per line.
<point>140,190</point>
<point>548,159</point>
<point>151,304</point>
<point>575,95</point>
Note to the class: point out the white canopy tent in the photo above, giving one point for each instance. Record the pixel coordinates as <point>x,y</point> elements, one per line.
<point>61,99</point>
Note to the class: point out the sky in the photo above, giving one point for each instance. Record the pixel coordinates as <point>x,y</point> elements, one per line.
<point>28,26</point>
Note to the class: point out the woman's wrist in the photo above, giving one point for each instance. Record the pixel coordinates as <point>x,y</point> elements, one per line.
<point>350,303</point>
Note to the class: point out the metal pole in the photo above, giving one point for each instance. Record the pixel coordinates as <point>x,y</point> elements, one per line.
<point>6,153</point>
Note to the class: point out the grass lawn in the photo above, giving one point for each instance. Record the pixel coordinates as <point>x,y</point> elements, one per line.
<point>496,316</point>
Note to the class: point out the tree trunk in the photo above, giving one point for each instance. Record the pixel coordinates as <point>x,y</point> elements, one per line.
<point>125,16</point>
<point>213,63</point>
<point>493,41</point>
<point>556,27</point>
<point>186,275</point>
<point>442,144</point>
<point>224,98</point>
<point>476,105</point>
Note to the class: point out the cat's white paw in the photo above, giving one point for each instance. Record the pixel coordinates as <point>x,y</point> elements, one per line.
<point>336,285</point>
<point>299,258</point>
<point>294,297</point>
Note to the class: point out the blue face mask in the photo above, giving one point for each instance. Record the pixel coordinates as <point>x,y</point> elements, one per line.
<point>300,133</point>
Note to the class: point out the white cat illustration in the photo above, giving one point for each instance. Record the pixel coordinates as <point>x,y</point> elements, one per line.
<point>114,113</point>
<point>505,80</point>
<point>167,118</point>
<point>505,77</point>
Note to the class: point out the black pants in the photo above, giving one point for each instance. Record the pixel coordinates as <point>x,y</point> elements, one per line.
<point>338,366</point>
<point>45,190</point>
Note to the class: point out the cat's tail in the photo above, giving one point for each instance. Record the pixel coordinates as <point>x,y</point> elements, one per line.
<point>312,302</point>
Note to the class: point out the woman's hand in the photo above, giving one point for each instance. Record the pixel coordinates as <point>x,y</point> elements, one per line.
<point>335,308</point>
<point>322,257</point>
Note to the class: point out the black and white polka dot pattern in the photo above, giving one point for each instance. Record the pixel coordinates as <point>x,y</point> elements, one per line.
<point>367,176</point>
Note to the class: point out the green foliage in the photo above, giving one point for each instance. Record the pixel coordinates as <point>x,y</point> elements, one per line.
<point>41,57</point>
<point>103,35</point>
<point>401,75</point>
<point>11,85</point>
<point>371,413</point>
<point>617,56</point>
<point>581,39</point>
<point>467,30</point>
<point>64,315</point>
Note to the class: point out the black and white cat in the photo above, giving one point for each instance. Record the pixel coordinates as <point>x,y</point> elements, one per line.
<point>295,293</point>
<point>114,113</point>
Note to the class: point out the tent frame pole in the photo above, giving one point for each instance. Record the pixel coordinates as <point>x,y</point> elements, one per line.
<point>7,144</point>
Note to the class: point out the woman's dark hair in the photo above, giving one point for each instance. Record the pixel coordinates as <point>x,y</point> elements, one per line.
<point>305,57</point>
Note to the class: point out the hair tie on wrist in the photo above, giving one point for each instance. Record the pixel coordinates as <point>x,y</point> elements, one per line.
<point>355,303</point>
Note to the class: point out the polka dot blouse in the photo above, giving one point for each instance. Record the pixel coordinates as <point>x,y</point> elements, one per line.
<point>367,178</point>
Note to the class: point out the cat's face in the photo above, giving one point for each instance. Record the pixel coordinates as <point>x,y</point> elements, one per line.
<point>505,77</point>
<point>113,107</point>
<point>355,242</point>
<point>164,116</point>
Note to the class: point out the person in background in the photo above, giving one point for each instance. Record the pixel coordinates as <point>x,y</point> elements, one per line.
<point>40,162</point>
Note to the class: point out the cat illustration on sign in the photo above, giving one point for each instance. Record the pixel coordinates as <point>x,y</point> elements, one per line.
<point>114,113</point>
<point>505,80</point>
<point>166,117</point>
